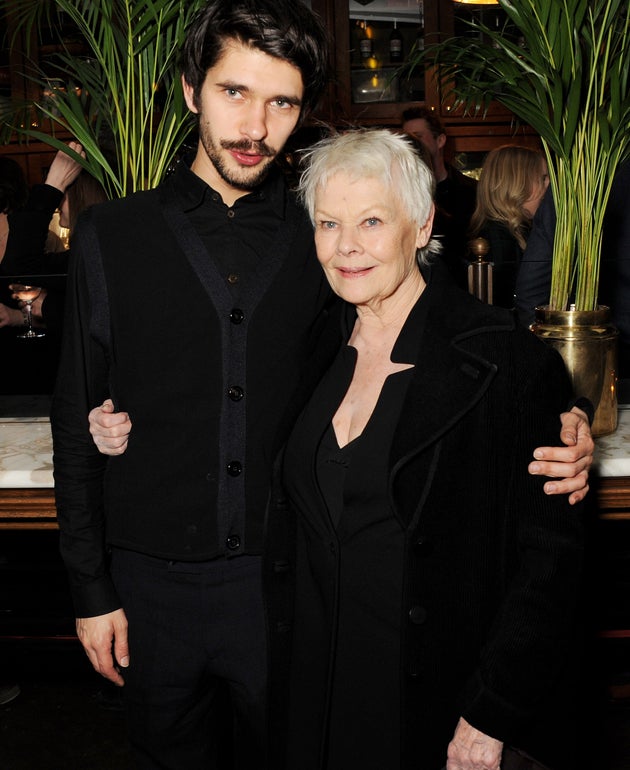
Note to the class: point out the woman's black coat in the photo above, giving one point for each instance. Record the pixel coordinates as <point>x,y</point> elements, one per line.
<point>492,568</point>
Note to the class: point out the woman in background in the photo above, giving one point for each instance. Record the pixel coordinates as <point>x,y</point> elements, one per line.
<point>13,196</point>
<point>433,611</point>
<point>70,189</point>
<point>512,184</point>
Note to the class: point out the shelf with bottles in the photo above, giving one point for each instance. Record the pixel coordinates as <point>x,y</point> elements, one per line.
<point>491,16</point>
<point>379,42</point>
<point>377,58</point>
<point>455,21</point>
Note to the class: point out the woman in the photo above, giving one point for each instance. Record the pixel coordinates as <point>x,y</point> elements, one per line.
<point>71,190</point>
<point>13,195</point>
<point>432,609</point>
<point>512,184</point>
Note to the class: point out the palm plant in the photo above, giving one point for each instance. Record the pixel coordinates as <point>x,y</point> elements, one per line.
<point>122,98</point>
<point>564,70</point>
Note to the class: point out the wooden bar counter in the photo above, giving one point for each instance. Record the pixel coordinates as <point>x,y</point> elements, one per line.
<point>27,499</point>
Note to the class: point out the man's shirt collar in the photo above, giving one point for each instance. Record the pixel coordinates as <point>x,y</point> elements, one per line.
<point>193,191</point>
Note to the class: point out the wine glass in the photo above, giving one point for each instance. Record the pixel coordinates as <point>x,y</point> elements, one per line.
<point>27,294</point>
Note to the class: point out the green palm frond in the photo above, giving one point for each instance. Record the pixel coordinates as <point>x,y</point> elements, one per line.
<point>122,99</point>
<point>566,73</point>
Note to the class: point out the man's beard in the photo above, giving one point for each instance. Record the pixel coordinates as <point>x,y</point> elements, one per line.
<point>247,177</point>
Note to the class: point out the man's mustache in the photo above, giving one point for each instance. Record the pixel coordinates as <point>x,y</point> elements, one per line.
<point>254,148</point>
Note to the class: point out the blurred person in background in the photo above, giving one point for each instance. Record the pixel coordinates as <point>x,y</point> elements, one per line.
<point>511,187</point>
<point>70,189</point>
<point>455,192</point>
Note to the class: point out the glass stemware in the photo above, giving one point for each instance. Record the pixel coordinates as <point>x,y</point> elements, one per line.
<point>27,294</point>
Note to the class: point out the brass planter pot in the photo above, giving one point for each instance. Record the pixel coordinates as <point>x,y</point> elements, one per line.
<point>587,341</point>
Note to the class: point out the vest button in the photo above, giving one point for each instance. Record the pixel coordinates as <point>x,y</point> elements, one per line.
<point>234,468</point>
<point>237,316</point>
<point>233,542</point>
<point>236,393</point>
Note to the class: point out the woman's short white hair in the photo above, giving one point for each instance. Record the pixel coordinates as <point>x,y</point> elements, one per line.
<point>374,154</point>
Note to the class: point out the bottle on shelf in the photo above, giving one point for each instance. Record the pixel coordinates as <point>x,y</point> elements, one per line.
<point>395,44</point>
<point>365,42</point>
<point>419,44</point>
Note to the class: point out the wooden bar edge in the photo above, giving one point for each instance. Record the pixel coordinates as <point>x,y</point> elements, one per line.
<point>28,508</point>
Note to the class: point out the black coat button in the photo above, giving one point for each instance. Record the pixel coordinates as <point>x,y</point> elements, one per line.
<point>417,615</point>
<point>236,393</point>
<point>281,566</point>
<point>233,542</point>
<point>234,468</point>
<point>237,316</point>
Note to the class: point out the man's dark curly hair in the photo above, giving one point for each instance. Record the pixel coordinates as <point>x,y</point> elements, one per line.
<point>284,29</point>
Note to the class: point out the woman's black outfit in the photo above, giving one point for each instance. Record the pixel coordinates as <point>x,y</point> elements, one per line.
<point>34,362</point>
<point>433,577</point>
<point>353,482</point>
<point>505,254</point>
<point>26,252</point>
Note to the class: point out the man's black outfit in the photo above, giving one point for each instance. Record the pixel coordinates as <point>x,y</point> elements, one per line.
<point>198,319</point>
<point>455,199</point>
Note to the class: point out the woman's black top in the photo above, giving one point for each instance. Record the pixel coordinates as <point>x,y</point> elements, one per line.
<point>361,729</point>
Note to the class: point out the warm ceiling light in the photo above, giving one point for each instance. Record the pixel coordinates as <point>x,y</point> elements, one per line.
<point>477,2</point>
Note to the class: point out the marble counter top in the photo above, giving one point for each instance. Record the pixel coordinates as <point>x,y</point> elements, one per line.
<point>26,450</point>
<point>25,453</point>
<point>612,455</point>
<point>25,442</point>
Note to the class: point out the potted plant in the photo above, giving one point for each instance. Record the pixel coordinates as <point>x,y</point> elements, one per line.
<point>563,67</point>
<point>117,92</point>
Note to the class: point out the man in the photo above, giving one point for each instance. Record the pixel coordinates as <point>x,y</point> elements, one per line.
<point>197,307</point>
<point>455,193</point>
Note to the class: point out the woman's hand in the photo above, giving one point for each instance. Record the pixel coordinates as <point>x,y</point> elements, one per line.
<point>64,170</point>
<point>471,749</point>
<point>569,464</point>
<point>36,307</point>
<point>10,316</point>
